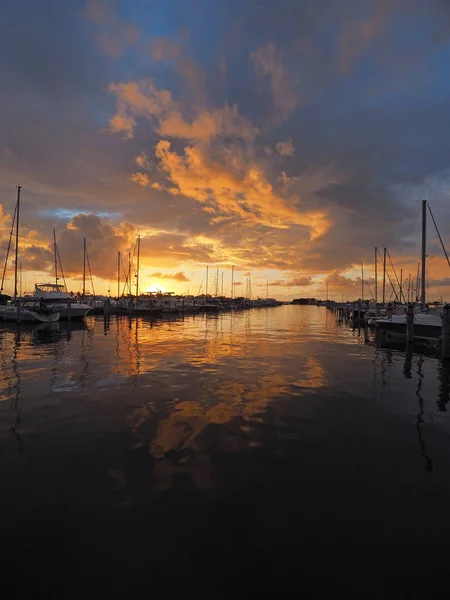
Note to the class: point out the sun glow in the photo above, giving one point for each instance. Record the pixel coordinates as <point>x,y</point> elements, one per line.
<point>155,288</point>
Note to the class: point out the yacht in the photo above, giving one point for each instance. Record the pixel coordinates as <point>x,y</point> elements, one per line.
<point>427,326</point>
<point>28,314</point>
<point>54,295</point>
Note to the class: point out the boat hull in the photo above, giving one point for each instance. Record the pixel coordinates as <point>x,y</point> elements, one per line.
<point>397,331</point>
<point>27,316</point>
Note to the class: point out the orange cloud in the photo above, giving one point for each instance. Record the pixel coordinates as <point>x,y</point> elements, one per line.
<point>245,193</point>
<point>180,276</point>
<point>285,148</point>
<point>137,99</point>
<point>224,121</point>
<point>295,282</point>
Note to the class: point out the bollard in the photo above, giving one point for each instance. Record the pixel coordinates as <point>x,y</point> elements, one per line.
<point>410,324</point>
<point>389,311</point>
<point>446,332</point>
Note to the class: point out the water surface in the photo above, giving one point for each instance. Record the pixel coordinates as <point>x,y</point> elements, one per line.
<point>243,449</point>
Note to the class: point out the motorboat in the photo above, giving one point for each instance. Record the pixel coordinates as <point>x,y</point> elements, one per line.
<point>54,295</point>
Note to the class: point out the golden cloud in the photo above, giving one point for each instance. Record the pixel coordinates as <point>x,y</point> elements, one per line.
<point>247,194</point>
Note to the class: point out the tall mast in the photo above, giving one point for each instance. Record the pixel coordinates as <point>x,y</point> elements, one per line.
<point>206,290</point>
<point>267,289</point>
<point>222,285</point>
<point>56,258</point>
<point>417,282</point>
<point>384,275</point>
<point>138,258</point>
<point>401,285</point>
<point>129,272</point>
<point>424,249</point>
<point>232,282</point>
<point>376,275</point>
<point>16,265</point>
<point>217,283</point>
<point>118,274</point>
<point>84,268</point>
<point>362,281</point>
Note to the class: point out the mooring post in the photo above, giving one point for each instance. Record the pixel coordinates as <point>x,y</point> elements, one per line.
<point>410,324</point>
<point>446,332</point>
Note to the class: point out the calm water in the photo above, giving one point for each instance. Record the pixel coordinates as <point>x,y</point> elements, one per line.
<point>230,454</point>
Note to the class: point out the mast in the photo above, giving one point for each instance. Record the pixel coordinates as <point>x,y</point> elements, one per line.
<point>56,258</point>
<point>206,290</point>
<point>376,275</point>
<point>417,282</point>
<point>267,289</point>
<point>84,268</point>
<point>401,285</point>
<point>217,283</point>
<point>118,274</point>
<point>424,256</point>
<point>362,281</point>
<point>232,282</point>
<point>384,275</point>
<point>16,265</point>
<point>129,272</point>
<point>11,233</point>
<point>138,258</point>
<point>222,285</point>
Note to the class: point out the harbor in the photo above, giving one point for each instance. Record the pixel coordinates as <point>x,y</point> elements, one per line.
<point>224,299</point>
<point>151,446</point>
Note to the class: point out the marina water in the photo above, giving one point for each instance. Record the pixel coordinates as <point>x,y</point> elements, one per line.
<point>234,451</point>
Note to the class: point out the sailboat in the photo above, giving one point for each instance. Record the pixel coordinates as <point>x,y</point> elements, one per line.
<point>24,312</point>
<point>427,325</point>
<point>56,297</point>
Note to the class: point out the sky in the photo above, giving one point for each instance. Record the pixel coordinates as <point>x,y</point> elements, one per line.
<point>285,138</point>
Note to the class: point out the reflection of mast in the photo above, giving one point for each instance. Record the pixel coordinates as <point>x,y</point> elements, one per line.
<point>16,408</point>
<point>419,422</point>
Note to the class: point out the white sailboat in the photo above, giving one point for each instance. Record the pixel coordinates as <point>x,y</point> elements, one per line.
<point>18,311</point>
<point>55,296</point>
